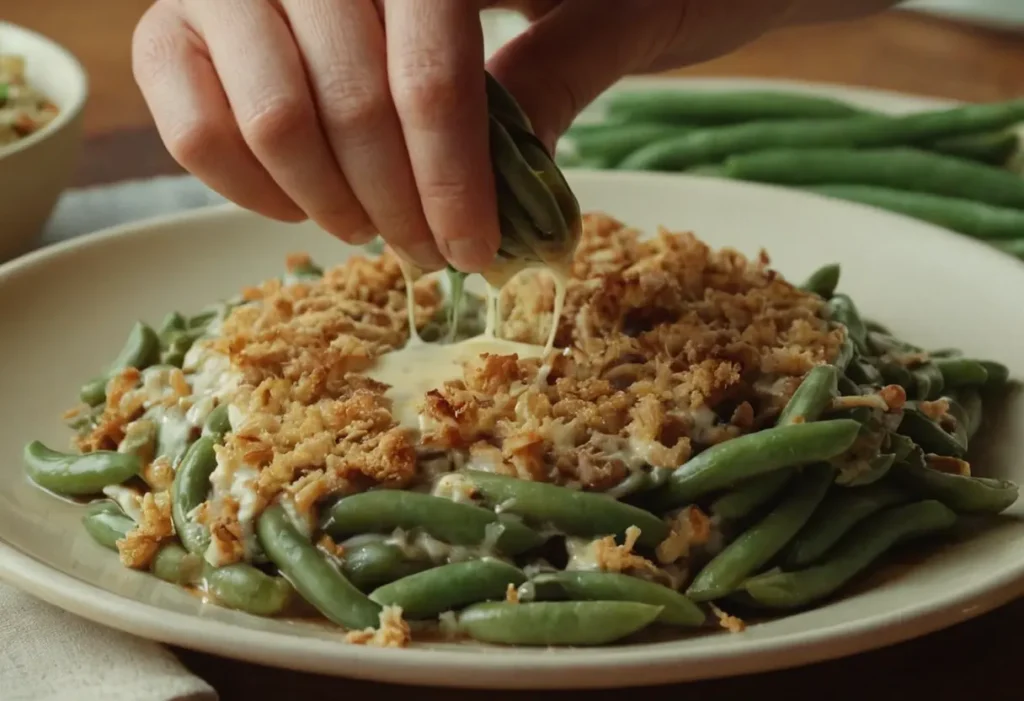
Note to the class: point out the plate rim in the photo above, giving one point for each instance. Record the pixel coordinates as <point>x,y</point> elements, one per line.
<point>604,667</point>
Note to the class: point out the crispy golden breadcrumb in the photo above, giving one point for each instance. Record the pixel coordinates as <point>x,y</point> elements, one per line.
<point>731,623</point>
<point>393,631</point>
<point>141,543</point>
<point>690,528</point>
<point>512,594</point>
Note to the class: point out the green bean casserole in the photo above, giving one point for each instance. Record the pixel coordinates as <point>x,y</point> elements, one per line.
<point>706,443</point>
<point>24,110</point>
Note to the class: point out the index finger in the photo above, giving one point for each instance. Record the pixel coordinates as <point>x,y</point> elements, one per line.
<point>436,74</point>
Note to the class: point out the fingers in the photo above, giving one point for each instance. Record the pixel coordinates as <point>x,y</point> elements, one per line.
<point>435,60</point>
<point>343,48</point>
<point>265,82</point>
<point>554,69</point>
<point>192,115</point>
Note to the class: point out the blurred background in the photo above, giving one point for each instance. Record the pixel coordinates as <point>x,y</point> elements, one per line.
<point>962,49</point>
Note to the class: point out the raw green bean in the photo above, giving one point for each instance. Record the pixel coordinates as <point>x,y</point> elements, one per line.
<point>961,493</point>
<point>449,587</point>
<point>823,281</point>
<point>729,463</point>
<point>714,108</point>
<point>107,524</point>
<point>753,549</point>
<point>174,564</point>
<point>614,142</point>
<point>245,588</point>
<point>545,623</point>
<point>190,488</point>
<point>842,309</point>
<point>841,510</point>
<point>677,610</point>
<point>78,475</point>
<point>898,169</point>
<point>317,579</point>
<point>967,217</point>
<point>574,512</point>
<point>372,564</point>
<point>217,423</point>
<point>961,372</point>
<point>809,400</point>
<point>714,145</point>
<point>994,147</point>
<point>929,435</point>
<point>867,542</point>
<point>384,510</point>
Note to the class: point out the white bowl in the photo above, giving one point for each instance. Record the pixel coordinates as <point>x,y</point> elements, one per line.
<point>35,170</point>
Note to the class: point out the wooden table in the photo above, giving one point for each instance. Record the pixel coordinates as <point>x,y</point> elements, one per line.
<point>897,51</point>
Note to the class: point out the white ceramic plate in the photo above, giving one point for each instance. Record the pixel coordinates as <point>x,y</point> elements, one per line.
<point>66,309</point>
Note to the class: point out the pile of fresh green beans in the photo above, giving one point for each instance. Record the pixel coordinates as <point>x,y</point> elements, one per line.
<point>803,506</point>
<point>956,168</point>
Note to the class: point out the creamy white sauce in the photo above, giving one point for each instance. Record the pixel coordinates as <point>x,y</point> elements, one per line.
<point>127,498</point>
<point>236,480</point>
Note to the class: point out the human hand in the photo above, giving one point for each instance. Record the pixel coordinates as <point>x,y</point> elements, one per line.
<point>369,116</point>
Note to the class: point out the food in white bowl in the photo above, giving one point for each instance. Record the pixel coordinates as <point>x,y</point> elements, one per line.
<point>44,90</point>
<point>24,110</point>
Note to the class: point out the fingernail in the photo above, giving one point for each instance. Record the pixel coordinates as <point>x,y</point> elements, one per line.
<point>425,255</point>
<point>466,254</point>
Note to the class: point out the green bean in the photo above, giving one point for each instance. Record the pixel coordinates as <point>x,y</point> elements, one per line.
<point>676,609</point>
<point>994,147</point>
<point>898,169</point>
<point>173,322</point>
<point>714,108</point>
<point>384,510</point>
<point>812,397</point>
<point>863,372</point>
<point>616,141</point>
<point>172,563</point>
<point>141,349</point>
<point>78,475</point>
<point>307,270</point>
<point>823,281</point>
<point>963,494</point>
<point>842,309</point>
<point>757,546</point>
<point>217,423</point>
<point>972,405</point>
<point>875,326</point>
<point>107,524</point>
<point>714,145</point>
<point>845,354</point>
<point>841,510</point>
<point>875,469</point>
<point>961,372</point>
<point>525,184</point>
<point>574,512</point>
<point>545,623</point>
<point>729,463</point>
<point>998,374</point>
<point>317,579</point>
<point>928,381</point>
<point>848,388</point>
<point>178,345</point>
<point>959,414</point>
<point>967,217</point>
<point>449,587</point>
<point>245,588</point>
<point>536,155</point>
<point>372,564</point>
<point>189,489</point>
<point>503,105</point>
<point>897,374</point>
<point>867,542</point>
<point>929,435</point>
<point>809,400</point>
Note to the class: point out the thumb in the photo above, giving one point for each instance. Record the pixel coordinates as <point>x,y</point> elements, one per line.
<point>572,54</point>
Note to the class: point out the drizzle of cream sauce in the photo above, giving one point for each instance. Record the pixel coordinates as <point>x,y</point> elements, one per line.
<point>412,371</point>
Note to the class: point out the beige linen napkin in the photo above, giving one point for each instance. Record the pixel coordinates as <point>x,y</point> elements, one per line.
<point>47,654</point>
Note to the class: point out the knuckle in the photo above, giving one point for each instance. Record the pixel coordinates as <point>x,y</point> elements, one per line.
<point>429,91</point>
<point>194,144</point>
<point>156,45</point>
<point>351,103</point>
<point>275,121</point>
